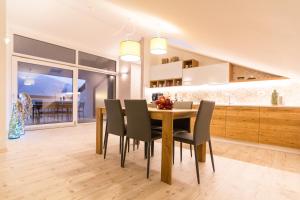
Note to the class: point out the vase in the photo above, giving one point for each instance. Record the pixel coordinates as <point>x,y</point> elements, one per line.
<point>16,124</point>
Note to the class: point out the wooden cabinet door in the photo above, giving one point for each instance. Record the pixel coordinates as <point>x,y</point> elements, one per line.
<point>218,123</point>
<point>242,123</point>
<point>280,126</point>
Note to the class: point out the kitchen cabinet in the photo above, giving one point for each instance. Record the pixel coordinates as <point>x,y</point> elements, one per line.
<point>209,74</point>
<point>218,122</point>
<point>167,71</point>
<point>242,123</point>
<point>280,126</point>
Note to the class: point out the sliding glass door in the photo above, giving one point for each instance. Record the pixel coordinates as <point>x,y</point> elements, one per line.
<point>93,88</point>
<point>51,88</point>
<point>60,94</point>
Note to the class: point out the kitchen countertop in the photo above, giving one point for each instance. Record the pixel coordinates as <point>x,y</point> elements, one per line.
<point>249,105</point>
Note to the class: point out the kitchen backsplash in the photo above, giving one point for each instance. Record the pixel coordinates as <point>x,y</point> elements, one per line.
<point>244,93</point>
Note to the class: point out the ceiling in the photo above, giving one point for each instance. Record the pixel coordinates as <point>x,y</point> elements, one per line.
<point>263,35</point>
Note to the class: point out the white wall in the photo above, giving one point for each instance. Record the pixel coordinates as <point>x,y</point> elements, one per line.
<point>129,81</point>
<point>135,81</point>
<point>3,128</point>
<point>124,81</point>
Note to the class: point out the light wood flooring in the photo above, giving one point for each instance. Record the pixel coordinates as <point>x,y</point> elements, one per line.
<point>62,164</point>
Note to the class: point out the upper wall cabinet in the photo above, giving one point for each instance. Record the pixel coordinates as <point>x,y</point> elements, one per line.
<point>209,74</point>
<point>171,70</point>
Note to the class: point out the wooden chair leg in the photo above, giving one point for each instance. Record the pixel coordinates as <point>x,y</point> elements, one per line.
<point>196,162</point>
<point>152,148</point>
<point>124,156</point>
<point>173,150</point>
<point>148,156</point>
<point>180,151</point>
<point>105,144</point>
<point>191,150</point>
<point>211,155</point>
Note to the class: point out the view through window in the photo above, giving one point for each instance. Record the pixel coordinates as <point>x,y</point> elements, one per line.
<point>51,90</point>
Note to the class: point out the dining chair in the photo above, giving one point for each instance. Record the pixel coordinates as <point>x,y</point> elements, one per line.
<point>182,125</point>
<point>139,126</point>
<point>114,123</point>
<point>201,133</point>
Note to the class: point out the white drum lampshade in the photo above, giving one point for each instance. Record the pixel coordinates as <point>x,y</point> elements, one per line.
<point>130,51</point>
<point>158,46</point>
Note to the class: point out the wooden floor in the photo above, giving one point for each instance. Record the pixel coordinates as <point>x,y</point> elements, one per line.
<point>62,164</point>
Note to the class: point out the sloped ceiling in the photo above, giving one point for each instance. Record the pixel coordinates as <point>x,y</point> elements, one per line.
<point>263,35</point>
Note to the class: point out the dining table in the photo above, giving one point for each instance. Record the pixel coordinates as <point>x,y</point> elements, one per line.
<point>167,117</point>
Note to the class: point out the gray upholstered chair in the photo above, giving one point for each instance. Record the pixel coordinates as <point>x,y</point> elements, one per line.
<point>139,126</point>
<point>182,125</point>
<point>114,123</point>
<point>183,105</point>
<point>201,132</point>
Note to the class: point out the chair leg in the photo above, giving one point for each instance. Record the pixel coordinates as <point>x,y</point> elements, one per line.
<point>148,156</point>
<point>211,155</point>
<point>124,156</point>
<point>105,144</point>
<point>191,150</point>
<point>196,162</point>
<point>128,145</point>
<point>145,150</point>
<point>152,148</point>
<point>105,134</point>
<point>180,151</point>
<point>120,150</point>
<point>173,150</point>
<point>133,147</point>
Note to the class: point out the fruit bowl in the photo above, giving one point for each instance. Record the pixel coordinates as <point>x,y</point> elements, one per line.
<point>164,103</point>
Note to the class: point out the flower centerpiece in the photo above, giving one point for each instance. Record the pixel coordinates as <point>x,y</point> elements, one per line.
<point>164,103</point>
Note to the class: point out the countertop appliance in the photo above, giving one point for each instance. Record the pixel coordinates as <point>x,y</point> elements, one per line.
<point>156,95</point>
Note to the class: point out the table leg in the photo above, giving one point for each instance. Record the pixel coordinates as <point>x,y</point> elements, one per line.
<point>201,149</point>
<point>201,152</point>
<point>99,131</point>
<point>167,148</point>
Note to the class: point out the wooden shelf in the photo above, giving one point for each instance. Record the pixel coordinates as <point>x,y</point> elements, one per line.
<point>190,63</point>
<point>243,74</point>
<point>165,83</point>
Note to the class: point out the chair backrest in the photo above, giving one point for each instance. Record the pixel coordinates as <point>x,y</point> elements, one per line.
<point>202,124</point>
<point>152,105</point>
<point>114,116</point>
<point>138,120</point>
<point>182,123</point>
<point>183,105</point>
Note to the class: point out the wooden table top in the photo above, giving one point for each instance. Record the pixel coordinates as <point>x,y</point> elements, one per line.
<point>158,114</point>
